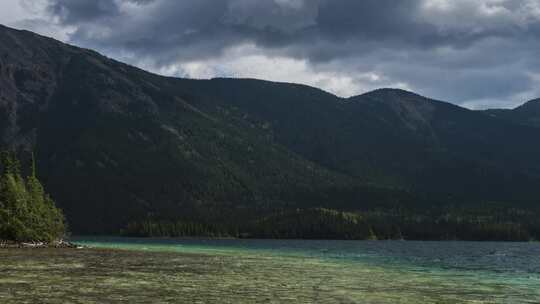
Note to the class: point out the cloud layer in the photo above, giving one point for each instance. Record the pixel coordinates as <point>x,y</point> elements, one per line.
<point>477,53</point>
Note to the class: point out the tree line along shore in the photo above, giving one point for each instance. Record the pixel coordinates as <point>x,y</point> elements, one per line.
<point>28,215</point>
<point>30,218</point>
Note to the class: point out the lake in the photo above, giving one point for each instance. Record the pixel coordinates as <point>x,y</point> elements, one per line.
<point>131,270</point>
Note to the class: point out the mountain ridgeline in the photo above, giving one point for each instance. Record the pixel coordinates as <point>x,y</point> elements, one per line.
<point>121,149</point>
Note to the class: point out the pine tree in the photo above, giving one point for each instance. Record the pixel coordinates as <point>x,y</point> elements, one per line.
<point>27,213</point>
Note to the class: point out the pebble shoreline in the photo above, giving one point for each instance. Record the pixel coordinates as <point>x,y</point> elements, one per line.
<point>57,244</point>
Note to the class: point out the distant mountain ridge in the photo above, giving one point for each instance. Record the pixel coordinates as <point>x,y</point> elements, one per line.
<point>526,114</point>
<point>363,134</point>
<point>117,144</point>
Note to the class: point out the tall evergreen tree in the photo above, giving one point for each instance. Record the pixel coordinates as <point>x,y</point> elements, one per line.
<point>27,213</point>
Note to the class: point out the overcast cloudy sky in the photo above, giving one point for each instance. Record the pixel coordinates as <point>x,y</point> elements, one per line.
<point>476,53</point>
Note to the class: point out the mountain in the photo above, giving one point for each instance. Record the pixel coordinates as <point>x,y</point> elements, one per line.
<point>388,137</point>
<point>527,114</point>
<point>115,143</point>
<point>117,146</point>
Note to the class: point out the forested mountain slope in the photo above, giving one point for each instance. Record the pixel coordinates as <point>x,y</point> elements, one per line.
<point>116,144</point>
<point>388,136</point>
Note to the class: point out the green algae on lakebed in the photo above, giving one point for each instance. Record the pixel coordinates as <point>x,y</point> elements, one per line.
<point>195,274</point>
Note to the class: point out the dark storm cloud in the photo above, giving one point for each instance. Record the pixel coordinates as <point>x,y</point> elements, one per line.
<point>269,23</point>
<point>460,50</point>
<point>371,20</point>
<point>80,11</point>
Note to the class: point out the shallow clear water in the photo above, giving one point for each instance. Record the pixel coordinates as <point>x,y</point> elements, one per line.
<point>272,271</point>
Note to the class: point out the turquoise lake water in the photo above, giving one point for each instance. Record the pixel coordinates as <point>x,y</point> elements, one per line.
<point>275,271</point>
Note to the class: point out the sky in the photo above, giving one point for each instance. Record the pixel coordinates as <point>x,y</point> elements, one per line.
<point>474,53</point>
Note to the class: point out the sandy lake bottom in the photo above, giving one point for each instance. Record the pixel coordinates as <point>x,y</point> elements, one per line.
<point>257,271</point>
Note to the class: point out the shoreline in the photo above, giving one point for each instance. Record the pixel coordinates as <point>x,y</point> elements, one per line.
<point>5,244</point>
<point>303,239</point>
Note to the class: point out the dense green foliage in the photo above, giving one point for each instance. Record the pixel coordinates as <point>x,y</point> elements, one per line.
<point>488,222</point>
<point>178,228</point>
<point>27,213</point>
